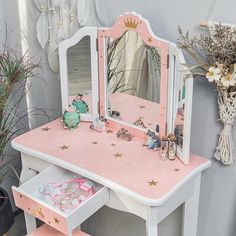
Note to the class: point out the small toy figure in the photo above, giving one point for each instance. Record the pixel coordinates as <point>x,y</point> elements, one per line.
<point>71,117</point>
<point>153,141</point>
<point>80,104</point>
<point>99,124</point>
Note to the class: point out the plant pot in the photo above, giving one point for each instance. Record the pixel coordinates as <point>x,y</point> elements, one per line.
<point>6,213</point>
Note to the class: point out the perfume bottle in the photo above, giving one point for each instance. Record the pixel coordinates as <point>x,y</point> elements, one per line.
<point>164,148</point>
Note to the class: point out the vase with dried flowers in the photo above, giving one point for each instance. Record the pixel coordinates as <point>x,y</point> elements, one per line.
<point>214,57</point>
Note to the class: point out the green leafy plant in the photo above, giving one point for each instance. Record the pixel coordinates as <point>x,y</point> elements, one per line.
<point>14,72</point>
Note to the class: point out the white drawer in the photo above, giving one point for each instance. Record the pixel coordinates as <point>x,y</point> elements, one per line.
<point>28,198</point>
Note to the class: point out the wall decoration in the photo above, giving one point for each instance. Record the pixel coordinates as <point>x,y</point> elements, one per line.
<point>59,20</point>
<point>215,59</point>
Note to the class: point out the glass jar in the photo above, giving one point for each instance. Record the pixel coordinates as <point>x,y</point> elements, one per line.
<point>172,147</point>
<point>164,153</point>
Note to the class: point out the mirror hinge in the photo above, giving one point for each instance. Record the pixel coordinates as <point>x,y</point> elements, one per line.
<point>168,61</point>
<point>97,44</point>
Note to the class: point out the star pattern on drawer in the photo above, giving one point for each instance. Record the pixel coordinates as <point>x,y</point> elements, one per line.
<point>176,169</point>
<point>153,183</point>
<point>94,142</point>
<point>150,39</point>
<point>113,144</point>
<point>56,221</point>
<point>118,155</point>
<point>64,147</point>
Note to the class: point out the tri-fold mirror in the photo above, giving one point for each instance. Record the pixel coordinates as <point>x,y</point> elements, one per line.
<point>129,76</point>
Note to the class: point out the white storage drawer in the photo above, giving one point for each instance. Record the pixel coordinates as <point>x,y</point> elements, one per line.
<point>28,198</point>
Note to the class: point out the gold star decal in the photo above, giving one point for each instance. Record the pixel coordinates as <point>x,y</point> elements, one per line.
<point>113,144</point>
<point>150,39</point>
<point>142,107</point>
<point>152,183</point>
<point>45,129</point>
<point>109,131</point>
<point>56,220</point>
<point>141,117</point>
<point>94,142</point>
<point>149,124</point>
<point>176,169</point>
<point>117,155</point>
<point>64,147</point>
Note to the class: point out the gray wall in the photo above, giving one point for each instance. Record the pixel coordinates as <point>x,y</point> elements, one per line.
<point>218,192</point>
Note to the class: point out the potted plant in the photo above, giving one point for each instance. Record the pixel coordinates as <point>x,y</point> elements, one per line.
<point>6,213</point>
<point>214,58</point>
<point>14,72</point>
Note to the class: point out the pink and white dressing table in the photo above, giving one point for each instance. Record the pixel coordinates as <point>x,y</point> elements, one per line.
<point>139,182</point>
<point>129,177</point>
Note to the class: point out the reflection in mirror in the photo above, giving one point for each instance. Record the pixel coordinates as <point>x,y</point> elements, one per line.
<point>179,107</point>
<point>133,81</point>
<point>79,75</point>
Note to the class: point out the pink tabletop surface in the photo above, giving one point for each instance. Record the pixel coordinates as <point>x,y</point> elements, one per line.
<point>129,165</point>
<point>133,108</point>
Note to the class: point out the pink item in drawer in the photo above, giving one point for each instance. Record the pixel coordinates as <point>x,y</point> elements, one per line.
<point>47,230</point>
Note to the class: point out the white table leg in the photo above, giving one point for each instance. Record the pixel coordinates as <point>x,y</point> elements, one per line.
<point>151,222</point>
<point>190,210</point>
<point>30,222</point>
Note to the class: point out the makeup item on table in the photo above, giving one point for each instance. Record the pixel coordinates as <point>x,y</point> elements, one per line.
<point>164,153</point>
<point>71,117</point>
<point>99,125</point>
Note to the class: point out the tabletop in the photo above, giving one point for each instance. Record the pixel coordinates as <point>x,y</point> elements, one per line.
<point>125,166</point>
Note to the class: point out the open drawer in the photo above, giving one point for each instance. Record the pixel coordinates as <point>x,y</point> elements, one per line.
<point>28,198</point>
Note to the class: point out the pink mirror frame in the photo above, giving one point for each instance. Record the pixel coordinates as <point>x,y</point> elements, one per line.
<point>133,21</point>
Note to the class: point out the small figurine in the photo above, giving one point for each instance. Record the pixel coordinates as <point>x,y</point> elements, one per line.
<point>153,139</point>
<point>71,117</point>
<point>99,124</point>
<point>80,104</point>
<point>124,134</point>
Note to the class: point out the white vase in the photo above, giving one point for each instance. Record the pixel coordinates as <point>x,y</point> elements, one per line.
<point>225,151</point>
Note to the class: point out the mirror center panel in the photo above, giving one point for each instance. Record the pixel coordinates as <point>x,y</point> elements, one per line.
<point>133,76</point>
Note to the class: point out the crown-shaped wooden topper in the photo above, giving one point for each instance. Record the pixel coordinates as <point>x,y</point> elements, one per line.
<point>131,23</point>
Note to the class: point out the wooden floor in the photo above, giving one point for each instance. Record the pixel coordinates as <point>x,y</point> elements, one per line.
<point>18,229</point>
